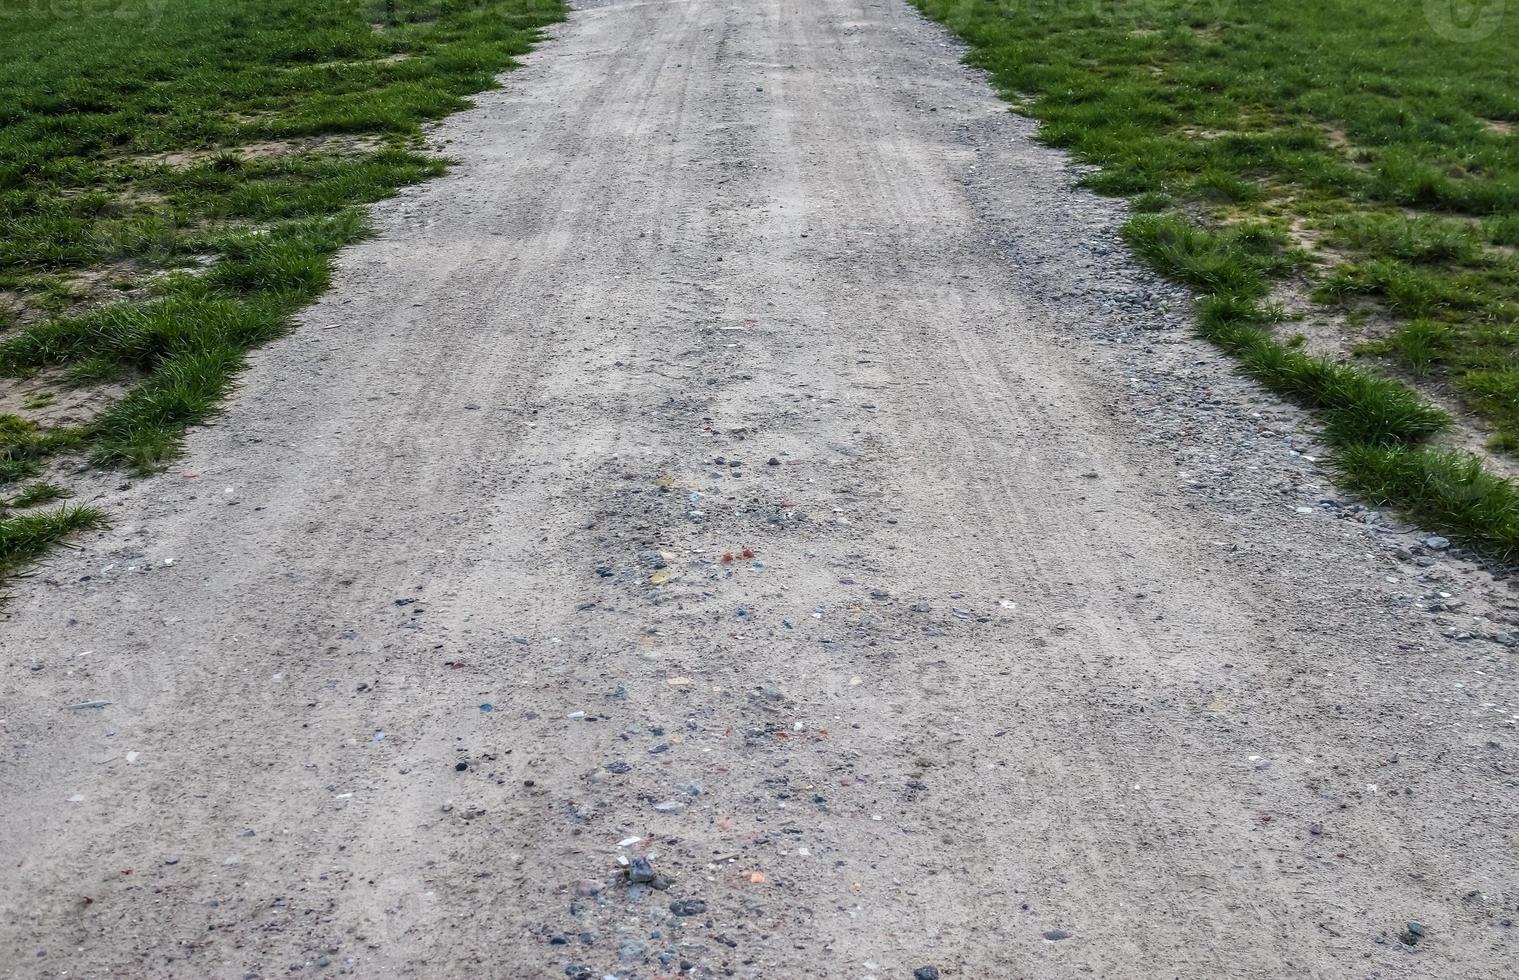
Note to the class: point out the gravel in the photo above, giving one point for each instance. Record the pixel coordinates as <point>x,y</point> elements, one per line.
<point>1030,594</point>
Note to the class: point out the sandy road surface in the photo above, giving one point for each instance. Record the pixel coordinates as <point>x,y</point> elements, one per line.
<point>1036,669</point>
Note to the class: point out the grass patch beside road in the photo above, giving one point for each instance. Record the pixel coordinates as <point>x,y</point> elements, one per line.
<point>1339,161</point>
<point>24,538</point>
<point>175,177</point>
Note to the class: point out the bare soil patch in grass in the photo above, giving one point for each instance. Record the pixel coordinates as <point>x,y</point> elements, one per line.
<point>331,143</point>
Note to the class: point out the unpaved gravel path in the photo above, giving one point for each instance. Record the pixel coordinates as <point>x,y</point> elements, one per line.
<point>1034,642</point>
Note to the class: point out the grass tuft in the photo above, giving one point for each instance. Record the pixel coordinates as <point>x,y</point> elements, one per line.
<point>1238,261</point>
<point>1357,407</point>
<point>1421,344</point>
<point>24,445</point>
<point>1447,490</point>
<point>36,495</point>
<point>26,538</point>
<point>142,429</point>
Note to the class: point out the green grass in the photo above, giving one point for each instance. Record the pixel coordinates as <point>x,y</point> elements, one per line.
<point>176,176</point>
<point>24,445</point>
<point>36,495</point>
<point>25,538</point>
<point>1355,152</point>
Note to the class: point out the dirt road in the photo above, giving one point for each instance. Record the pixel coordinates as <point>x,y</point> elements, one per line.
<point>1052,653</point>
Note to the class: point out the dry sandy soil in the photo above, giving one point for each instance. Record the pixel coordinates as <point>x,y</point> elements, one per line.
<point>1053,654</point>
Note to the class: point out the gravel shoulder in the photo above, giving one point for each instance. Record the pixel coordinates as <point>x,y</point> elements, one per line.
<point>1053,652</point>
